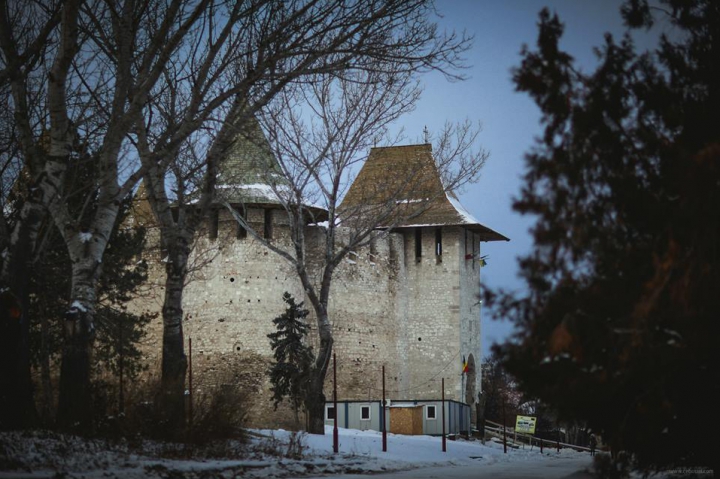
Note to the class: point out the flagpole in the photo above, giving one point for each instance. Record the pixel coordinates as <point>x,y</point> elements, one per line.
<point>444,447</point>
<point>462,379</point>
<point>335,422</point>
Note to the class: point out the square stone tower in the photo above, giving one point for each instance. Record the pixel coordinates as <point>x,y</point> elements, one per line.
<point>437,311</point>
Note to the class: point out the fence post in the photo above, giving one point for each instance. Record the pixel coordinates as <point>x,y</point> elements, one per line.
<point>190,384</point>
<point>558,441</point>
<point>504,428</point>
<point>444,446</point>
<point>335,421</point>
<point>384,416</point>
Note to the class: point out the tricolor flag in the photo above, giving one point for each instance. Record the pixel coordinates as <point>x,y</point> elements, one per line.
<point>464,365</point>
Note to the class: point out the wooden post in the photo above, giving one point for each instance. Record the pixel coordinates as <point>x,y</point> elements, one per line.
<point>335,421</point>
<point>541,441</point>
<point>190,385</point>
<point>558,440</point>
<point>444,446</point>
<point>384,416</point>
<point>504,428</point>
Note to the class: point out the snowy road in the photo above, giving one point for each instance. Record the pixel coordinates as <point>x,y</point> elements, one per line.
<point>556,468</point>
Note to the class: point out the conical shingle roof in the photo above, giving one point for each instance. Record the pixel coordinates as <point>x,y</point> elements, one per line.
<point>408,177</point>
<point>250,173</point>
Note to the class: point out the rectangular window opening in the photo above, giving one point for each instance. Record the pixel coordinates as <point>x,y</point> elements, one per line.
<point>438,245</point>
<point>214,221</point>
<point>268,230</point>
<point>418,244</point>
<point>330,412</point>
<point>476,252</point>
<point>430,412</point>
<point>241,232</point>
<point>365,413</point>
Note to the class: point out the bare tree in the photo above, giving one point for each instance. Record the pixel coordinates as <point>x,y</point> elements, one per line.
<point>104,61</point>
<point>232,71</point>
<point>319,148</point>
<point>500,390</point>
<point>36,38</point>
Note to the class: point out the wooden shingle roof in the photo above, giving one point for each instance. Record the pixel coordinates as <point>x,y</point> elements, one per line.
<point>249,171</point>
<point>407,179</point>
<point>251,175</point>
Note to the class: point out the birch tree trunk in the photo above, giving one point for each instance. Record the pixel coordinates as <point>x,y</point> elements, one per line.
<point>174,360</point>
<point>86,250</point>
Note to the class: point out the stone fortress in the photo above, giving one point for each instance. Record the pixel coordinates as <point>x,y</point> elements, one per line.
<point>408,301</point>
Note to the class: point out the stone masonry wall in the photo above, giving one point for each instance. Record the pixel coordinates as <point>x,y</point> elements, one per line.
<point>362,312</point>
<point>386,309</point>
<point>432,326</point>
<point>470,316</point>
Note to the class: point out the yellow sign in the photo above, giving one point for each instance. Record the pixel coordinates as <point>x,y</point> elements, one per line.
<point>525,424</point>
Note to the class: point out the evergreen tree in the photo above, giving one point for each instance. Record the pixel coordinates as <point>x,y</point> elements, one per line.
<point>118,332</point>
<point>293,357</point>
<point>620,323</point>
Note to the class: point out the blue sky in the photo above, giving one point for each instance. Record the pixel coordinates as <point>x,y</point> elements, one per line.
<point>510,120</point>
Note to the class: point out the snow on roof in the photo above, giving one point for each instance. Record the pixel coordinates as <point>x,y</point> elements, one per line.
<point>408,177</point>
<point>464,214</point>
<point>260,193</point>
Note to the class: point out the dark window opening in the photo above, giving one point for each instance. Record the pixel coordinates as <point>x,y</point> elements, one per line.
<point>268,230</point>
<point>241,232</point>
<point>418,244</point>
<point>430,412</point>
<point>330,412</point>
<point>438,245</point>
<point>214,221</point>
<point>365,413</point>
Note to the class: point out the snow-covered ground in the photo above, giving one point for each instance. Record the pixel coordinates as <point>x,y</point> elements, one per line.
<point>45,455</point>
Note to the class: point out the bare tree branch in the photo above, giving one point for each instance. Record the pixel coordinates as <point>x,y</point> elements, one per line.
<point>320,133</point>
